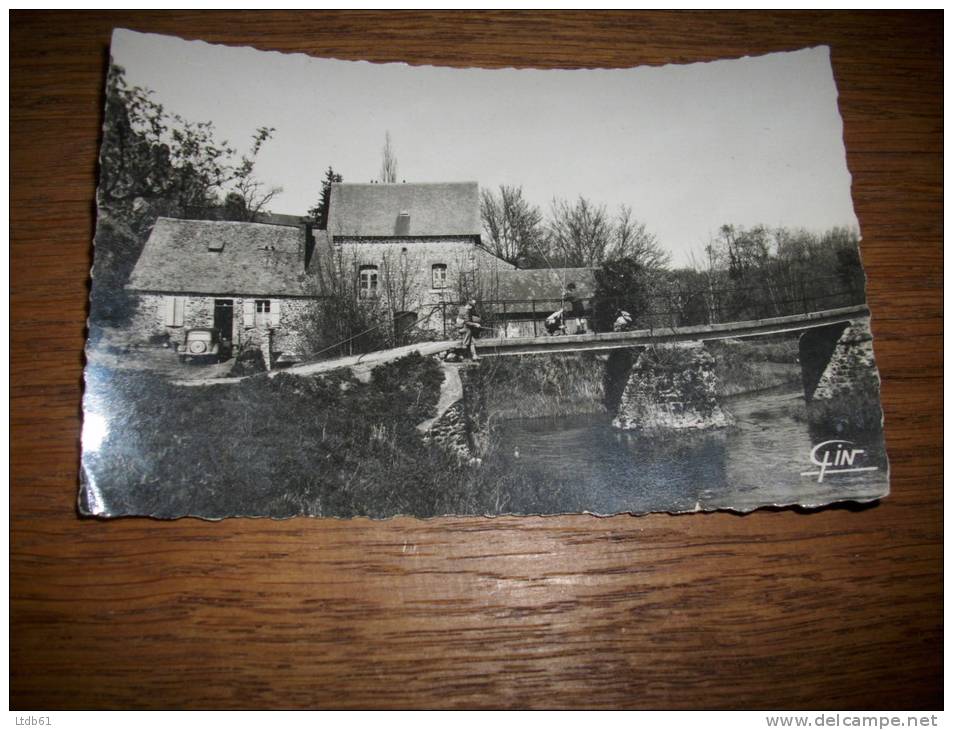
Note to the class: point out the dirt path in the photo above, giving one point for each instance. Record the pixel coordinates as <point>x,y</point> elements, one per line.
<point>360,364</point>
<point>451,390</point>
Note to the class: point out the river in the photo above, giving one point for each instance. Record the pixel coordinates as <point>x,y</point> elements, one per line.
<point>587,465</point>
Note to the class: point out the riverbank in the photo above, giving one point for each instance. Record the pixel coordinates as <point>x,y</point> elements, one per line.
<point>748,366</point>
<point>538,386</point>
<point>281,446</point>
<point>535,386</point>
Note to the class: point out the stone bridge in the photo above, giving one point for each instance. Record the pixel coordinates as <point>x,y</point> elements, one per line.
<point>664,377</point>
<point>665,380</point>
<point>641,338</point>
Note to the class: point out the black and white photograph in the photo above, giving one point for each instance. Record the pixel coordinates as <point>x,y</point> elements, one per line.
<point>346,289</point>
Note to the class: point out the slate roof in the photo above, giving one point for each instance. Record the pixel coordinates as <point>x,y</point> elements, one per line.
<point>435,209</point>
<point>524,284</point>
<point>227,257</point>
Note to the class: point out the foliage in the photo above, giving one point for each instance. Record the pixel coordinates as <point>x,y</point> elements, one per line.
<point>249,361</point>
<point>744,366</point>
<point>531,386</point>
<point>319,213</point>
<point>686,371</point>
<point>155,163</point>
<point>631,240</point>
<point>280,446</point>
<point>620,284</point>
<point>757,272</point>
<point>342,321</point>
<point>118,246</point>
<point>849,414</point>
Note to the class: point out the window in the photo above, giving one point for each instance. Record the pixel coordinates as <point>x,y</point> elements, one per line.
<point>266,312</point>
<point>368,282</point>
<point>439,275</point>
<point>174,311</point>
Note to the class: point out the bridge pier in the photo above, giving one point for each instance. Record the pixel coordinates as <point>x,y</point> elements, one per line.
<point>815,348</point>
<point>672,387</point>
<point>841,383</point>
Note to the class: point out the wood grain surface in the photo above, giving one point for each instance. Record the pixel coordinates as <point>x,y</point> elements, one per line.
<point>839,608</point>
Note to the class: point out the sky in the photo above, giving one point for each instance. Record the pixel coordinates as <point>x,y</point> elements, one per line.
<point>756,140</point>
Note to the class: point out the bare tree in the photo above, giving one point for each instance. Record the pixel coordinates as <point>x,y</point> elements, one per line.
<point>512,226</point>
<point>340,320</point>
<point>401,284</point>
<point>580,233</point>
<point>632,240</point>
<point>248,196</point>
<point>388,162</point>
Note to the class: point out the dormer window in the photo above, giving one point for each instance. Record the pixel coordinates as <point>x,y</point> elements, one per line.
<point>438,274</point>
<point>403,224</point>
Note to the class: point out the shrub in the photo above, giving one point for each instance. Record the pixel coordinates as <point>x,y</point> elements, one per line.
<point>529,386</point>
<point>280,446</point>
<point>249,361</point>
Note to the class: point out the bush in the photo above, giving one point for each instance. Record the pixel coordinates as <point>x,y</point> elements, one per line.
<point>281,446</point>
<point>250,361</point>
<point>530,386</point>
<point>687,371</point>
<point>742,366</point>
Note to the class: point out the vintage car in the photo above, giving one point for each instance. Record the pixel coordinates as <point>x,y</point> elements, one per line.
<point>204,344</point>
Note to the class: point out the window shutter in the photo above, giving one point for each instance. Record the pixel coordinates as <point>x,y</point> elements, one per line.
<point>168,318</point>
<point>248,313</point>
<point>179,313</point>
<point>275,312</point>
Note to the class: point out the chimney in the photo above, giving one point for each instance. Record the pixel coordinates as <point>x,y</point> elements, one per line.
<point>304,227</point>
<point>403,224</point>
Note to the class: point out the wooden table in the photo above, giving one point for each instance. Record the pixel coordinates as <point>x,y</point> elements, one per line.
<point>840,608</point>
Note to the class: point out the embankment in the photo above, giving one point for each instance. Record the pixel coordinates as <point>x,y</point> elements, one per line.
<point>533,386</point>
<point>282,446</point>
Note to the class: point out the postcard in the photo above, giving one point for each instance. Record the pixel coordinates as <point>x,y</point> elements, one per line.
<point>335,289</point>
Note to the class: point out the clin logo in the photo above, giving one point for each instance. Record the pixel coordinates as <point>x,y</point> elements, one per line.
<point>835,457</point>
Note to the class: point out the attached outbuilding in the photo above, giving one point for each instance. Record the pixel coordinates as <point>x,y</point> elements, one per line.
<point>250,281</point>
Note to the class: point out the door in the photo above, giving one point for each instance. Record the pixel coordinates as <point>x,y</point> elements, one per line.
<point>223,317</point>
<point>403,321</point>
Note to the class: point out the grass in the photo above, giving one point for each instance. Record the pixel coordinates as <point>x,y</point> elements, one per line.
<point>744,366</point>
<point>849,414</point>
<point>331,445</point>
<point>533,386</point>
<point>280,446</point>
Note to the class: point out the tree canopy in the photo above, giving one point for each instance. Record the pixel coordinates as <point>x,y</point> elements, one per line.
<point>319,212</point>
<point>153,162</point>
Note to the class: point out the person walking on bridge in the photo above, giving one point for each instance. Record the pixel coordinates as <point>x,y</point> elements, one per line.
<point>623,321</point>
<point>556,322</point>
<point>471,328</point>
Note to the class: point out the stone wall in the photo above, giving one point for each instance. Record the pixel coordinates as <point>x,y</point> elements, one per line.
<point>671,387</point>
<point>847,397</point>
<point>451,431</point>
<point>851,366</point>
<point>457,425</point>
<point>409,262</point>
<point>199,311</point>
